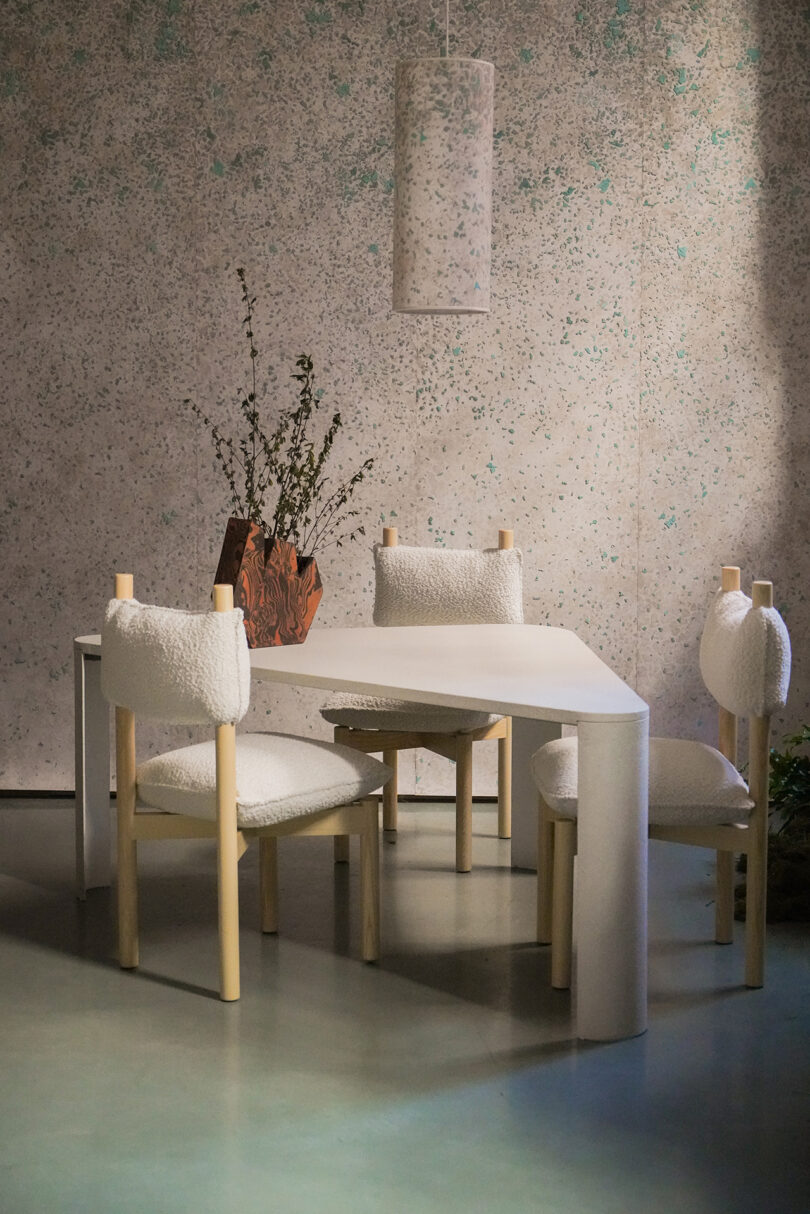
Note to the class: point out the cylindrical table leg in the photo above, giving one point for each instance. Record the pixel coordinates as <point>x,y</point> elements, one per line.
<point>611,968</point>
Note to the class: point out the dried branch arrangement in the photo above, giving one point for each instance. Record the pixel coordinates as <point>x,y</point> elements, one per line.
<point>288,466</point>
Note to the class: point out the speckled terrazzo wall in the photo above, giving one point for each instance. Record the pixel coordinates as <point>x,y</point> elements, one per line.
<point>635,405</point>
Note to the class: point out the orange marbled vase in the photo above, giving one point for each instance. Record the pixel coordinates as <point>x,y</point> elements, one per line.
<point>278,592</point>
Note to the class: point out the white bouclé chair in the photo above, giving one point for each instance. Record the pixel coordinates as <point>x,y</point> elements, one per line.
<point>423,586</point>
<point>193,668</point>
<point>697,795</point>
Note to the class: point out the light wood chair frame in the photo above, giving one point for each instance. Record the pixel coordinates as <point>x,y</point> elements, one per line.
<point>454,746</point>
<point>557,845</point>
<point>137,824</point>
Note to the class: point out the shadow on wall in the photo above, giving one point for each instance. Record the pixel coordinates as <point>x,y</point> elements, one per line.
<point>784,127</point>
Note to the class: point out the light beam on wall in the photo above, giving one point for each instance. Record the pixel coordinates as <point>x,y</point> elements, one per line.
<point>443,185</point>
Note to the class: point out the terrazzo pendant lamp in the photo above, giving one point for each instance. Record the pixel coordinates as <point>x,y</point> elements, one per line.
<point>443,184</point>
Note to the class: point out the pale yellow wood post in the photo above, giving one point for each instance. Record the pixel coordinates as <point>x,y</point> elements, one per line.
<point>756,879</point>
<point>390,793</point>
<point>505,783</point>
<point>268,882</point>
<point>545,872</point>
<point>464,773</point>
<point>727,745</point>
<point>370,881</point>
<point>125,799</point>
<point>565,835</point>
<point>227,843</point>
<point>340,843</point>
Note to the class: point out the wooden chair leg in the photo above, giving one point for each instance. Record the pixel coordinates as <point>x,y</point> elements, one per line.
<point>755,892</point>
<point>565,834</point>
<point>505,783</point>
<point>127,900</point>
<point>724,898</point>
<point>370,883</point>
<point>545,872</point>
<point>227,863</point>
<point>341,847</point>
<point>389,797</point>
<point>268,882</point>
<point>127,846</point>
<point>463,804</point>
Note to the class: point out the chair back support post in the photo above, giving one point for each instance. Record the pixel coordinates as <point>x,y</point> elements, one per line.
<point>227,841</point>
<point>125,796</point>
<point>390,537</point>
<point>506,539</point>
<point>756,882</point>
<point>727,724</point>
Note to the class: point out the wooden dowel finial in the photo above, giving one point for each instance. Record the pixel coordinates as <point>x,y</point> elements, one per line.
<point>730,577</point>
<point>762,594</point>
<point>223,597</point>
<point>124,586</point>
<point>390,538</point>
<point>506,539</point>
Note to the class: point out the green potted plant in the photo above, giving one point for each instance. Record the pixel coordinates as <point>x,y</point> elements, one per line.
<point>788,835</point>
<point>286,508</point>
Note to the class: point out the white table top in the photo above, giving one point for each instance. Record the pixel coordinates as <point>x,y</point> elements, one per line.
<point>521,670</point>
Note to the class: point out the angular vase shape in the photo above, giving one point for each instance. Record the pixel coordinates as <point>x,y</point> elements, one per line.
<point>278,592</point>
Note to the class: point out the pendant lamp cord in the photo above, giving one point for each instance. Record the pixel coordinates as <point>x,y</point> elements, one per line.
<point>447,29</point>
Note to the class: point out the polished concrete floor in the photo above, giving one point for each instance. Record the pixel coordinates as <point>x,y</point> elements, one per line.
<point>444,1079</point>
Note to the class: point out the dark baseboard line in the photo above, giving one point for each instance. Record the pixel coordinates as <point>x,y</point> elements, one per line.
<point>44,794</point>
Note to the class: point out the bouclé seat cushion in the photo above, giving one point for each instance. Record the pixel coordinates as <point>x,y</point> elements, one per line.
<point>371,712</point>
<point>689,782</point>
<point>278,777</point>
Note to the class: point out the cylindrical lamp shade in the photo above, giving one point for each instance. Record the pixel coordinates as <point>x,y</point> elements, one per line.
<point>443,185</point>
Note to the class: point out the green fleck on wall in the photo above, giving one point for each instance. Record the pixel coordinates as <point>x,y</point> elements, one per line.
<point>11,83</point>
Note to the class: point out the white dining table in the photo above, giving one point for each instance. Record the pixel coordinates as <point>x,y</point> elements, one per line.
<point>540,676</point>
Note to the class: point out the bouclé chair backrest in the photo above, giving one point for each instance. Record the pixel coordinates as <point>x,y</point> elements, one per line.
<point>183,667</point>
<point>447,586</point>
<point>745,655</point>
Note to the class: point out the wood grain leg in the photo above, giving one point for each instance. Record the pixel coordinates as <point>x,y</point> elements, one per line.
<point>127,900</point>
<point>755,892</point>
<point>227,864</point>
<point>126,843</point>
<point>562,919</point>
<point>370,883</point>
<point>505,783</point>
<point>545,872</point>
<point>268,882</point>
<point>724,898</point>
<point>389,797</point>
<point>464,750</point>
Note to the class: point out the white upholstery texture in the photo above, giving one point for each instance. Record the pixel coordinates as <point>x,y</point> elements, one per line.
<point>368,712</point>
<point>188,668</point>
<point>690,783</point>
<point>448,586</point>
<point>745,655</point>
<point>278,777</point>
